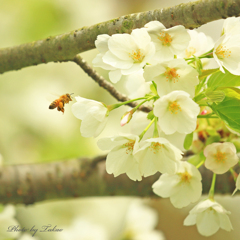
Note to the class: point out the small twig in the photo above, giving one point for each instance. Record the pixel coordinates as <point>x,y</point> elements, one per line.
<point>105,84</point>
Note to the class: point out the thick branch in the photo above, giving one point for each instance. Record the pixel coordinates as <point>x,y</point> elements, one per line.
<point>32,183</point>
<point>107,85</point>
<point>64,47</point>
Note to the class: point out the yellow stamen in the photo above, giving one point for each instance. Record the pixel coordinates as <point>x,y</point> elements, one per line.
<point>129,146</point>
<point>165,38</point>
<point>220,157</point>
<point>173,107</point>
<point>155,147</point>
<point>185,177</point>
<point>171,74</point>
<point>222,52</point>
<point>137,56</point>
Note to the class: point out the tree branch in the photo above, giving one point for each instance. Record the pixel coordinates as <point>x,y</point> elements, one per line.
<point>107,85</point>
<point>30,183</point>
<point>64,47</point>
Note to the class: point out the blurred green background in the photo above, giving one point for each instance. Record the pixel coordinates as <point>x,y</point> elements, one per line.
<point>31,133</point>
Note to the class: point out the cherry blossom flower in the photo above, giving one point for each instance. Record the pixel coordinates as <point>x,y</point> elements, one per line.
<point>198,45</point>
<point>136,86</point>
<point>183,187</point>
<point>168,42</point>
<point>176,112</point>
<point>140,222</point>
<point>84,230</point>
<point>173,75</point>
<point>126,53</point>
<point>226,53</point>
<point>231,25</point>
<point>209,216</point>
<point>93,115</point>
<point>220,157</point>
<point>102,46</point>
<point>121,158</point>
<point>176,139</point>
<point>157,154</point>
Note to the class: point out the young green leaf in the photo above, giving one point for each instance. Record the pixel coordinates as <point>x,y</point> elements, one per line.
<point>188,141</point>
<point>226,79</point>
<point>229,111</point>
<point>150,115</point>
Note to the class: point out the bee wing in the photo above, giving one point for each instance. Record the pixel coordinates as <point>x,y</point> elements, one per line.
<point>50,97</point>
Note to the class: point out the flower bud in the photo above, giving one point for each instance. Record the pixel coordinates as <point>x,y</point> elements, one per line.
<point>126,118</point>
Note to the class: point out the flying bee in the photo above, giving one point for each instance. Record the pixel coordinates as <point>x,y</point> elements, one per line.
<point>60,102</point>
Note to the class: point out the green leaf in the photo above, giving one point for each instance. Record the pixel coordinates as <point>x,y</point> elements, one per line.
<point>196,159</point>
<point>236,142</point>
<point>231,92</point>
<point>206,73</point>
<point>153,88</point>
<point>229,110</point>
<point>215,96</point>
<point>212,139</point>
<point>226,79</point>
<point>150,115</point>
<point>188,141</point>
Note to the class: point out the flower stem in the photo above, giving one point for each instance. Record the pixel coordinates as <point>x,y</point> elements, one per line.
<point>155,133</point>
<point>200,164</point>
<point>210,115</point>
<point>146,100</point>
<point>145,130</point>
<point>117,105</point>
<point>211,191</point>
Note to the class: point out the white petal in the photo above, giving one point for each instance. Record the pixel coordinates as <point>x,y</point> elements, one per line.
<point>154,25</point>
<point>115,75</point>
<point>115,61</point>
<point>121,45</point>
<point>207,223</point>
<point>190,220</point>
<point>164,185</point>
<point>102,43</point>
<point>90,127</point>
<point>118,162</point>
<point>225,222</point>
<point>141,38</point>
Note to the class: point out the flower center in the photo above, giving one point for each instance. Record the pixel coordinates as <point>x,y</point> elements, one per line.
<point>165,38</point>
<point>129,146</point>
<point>173,107</point>
<point>222,52</point>
<point>185,177</point>
<point>128,235</point>
<point>220,157</point>
<point>137,56</point>
<point>171,74</point>
<point>155,147</point>
<point>190,51</point>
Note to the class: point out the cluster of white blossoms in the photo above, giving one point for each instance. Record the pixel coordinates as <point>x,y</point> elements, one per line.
<point>138,223</point>
<point>166,66</point>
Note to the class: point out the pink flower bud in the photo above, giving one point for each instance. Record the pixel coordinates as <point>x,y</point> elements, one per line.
<point>126,118</point>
